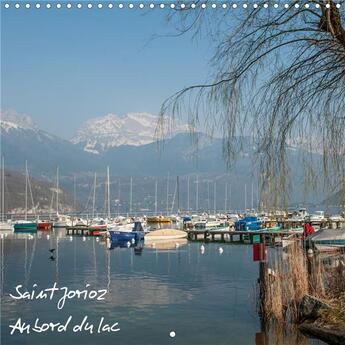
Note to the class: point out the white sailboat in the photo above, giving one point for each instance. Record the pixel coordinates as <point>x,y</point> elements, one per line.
<point>4,224</point>
<point>26,225</point>
<point>61,220</point>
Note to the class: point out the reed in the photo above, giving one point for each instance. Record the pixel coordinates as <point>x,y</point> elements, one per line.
<point>285,286</point>
<point>294,275</point>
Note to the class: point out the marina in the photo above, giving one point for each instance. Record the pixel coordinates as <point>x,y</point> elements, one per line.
<point>172,173</point>
<point>153,284</point>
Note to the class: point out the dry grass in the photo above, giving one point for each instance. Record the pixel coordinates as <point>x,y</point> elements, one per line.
<point>285,288</point>
<point>336,315</point>
<point>294,276</point>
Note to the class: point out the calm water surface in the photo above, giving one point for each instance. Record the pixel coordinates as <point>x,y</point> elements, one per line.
<point>204,298</point>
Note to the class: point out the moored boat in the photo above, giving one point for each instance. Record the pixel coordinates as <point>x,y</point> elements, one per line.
<point>328,239</point>
<point>62,221</point>
<point>123,235</point>
<point>165,234</point>
<point>25,226</point>
<point>248,224</point>
<point>5,226</point>
<point>98,229</point>
<point>158,219</point>
<point>44,225</point>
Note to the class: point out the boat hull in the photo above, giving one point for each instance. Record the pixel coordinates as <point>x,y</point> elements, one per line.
<point>165,234</point>
<point>126,236</point>
<point>25,227</point>
<point>158,219</point>
<point>328,239</point>
<point>5,226</point>
<point>44,226</point>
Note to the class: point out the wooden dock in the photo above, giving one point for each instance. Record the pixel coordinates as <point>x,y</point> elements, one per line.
<point>290,224</point>
<point>81,230</point>
<point>269,237</point>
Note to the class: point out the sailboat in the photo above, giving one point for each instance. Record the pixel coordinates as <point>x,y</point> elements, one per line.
<point>4,225</point>
<point>61,220</point>
<point>25,225</point>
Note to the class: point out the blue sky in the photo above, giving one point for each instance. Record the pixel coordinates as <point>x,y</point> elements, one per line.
<point>63,67</point>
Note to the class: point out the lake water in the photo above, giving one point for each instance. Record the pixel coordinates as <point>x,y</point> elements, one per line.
<point>205,298</point>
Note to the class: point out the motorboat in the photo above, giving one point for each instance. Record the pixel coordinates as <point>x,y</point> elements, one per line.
<point>44,225</point>
<point>298,216</point>
<point>317,217</point>
<point>328,239</point>
<point>5,226</point>
<point>25,226</point>
<point>248,224</point>
<point>158,219</point>
<point>336,218</point>
<point>165,234</point>
<point>125,244</point>
<point>122,234</point>
<point>166,244</point>
<point>62,221</point>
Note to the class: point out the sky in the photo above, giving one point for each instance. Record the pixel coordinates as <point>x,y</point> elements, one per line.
<point>64,66</point>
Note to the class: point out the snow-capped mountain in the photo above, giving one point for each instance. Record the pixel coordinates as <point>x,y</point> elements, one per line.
<point>11,120</point>
<point>22,139</point>
<point>135,129</point>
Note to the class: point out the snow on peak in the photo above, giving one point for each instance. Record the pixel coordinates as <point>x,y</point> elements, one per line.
<point>101,133</point>
<point>10,119</point>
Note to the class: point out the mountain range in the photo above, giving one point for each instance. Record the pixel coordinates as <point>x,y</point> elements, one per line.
<point>129,147</point>
<point>99,134</point>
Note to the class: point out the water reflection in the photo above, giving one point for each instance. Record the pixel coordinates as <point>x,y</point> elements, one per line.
<point>205,298</point>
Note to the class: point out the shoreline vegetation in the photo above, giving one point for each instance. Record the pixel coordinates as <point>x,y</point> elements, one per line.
<point>306,291</point>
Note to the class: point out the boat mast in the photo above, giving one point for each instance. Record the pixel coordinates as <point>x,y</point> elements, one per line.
<point>245,197</point>
<point>173,202</point>
<point>208,197</point>
<point>197,193</point>
<point>156,195</point>
<point>57,190</point>
<point>178,193</point>
<point>108,192</point>
<point>74,192</point>
<point>167,202</point>
<point>26,190</point>
<point>188,194</point>
<point>226,198</point>
<point>230,197</point>
<point>215,197</point>
<point>94,195</point>
<point>252,204</point>
<point>118,203</point>
<point>130,196</point>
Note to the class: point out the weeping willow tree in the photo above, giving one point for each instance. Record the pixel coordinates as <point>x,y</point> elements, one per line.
<point>277,76</point>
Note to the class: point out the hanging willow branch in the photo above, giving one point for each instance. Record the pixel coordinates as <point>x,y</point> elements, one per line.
<point>278,79</point>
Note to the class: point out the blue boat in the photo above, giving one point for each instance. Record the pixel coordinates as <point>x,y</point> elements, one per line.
<point>25,226</point>
<point>124,244</point>
<point>249,223</point>
<point>134,236</point>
